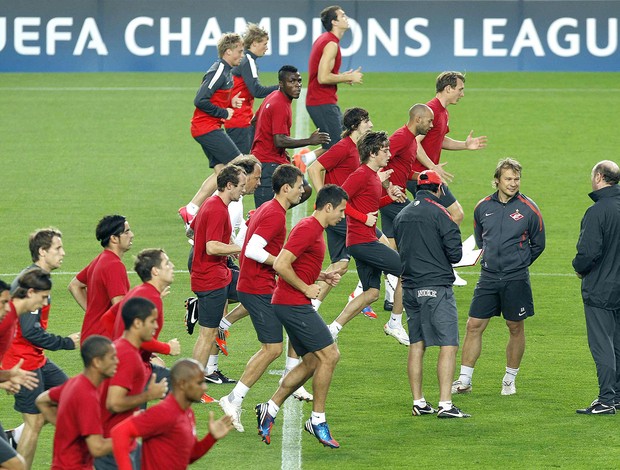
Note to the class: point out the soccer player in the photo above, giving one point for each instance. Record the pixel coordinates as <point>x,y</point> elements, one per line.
<point>509,228</point>
<point>32,339</point>
<point>74,408</point>
<point>371,257</point>
<point>597,264</point>
<point>274,119</point>
<point>168,429</point>
<point>323,79</point>
<point>247,86</point>
<point>299,267</point>
<point>428,242</point>
<point>123,394</point>
<point>212,280</point>
<point>104,281</point>
<point>215,104</point>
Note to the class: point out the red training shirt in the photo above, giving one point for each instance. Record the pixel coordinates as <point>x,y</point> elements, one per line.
<point>275,116</point>
<point>340,161</point>
<point>364,190</point>
<point>404,148</point>
<point>433,141</point>
<point>8,325</point>
<point>322,94</point>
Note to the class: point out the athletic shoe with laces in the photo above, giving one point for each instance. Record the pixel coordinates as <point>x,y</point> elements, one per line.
<point>453,412</point>
<point>298,160</point>
<point>369,313</point>
<point>508,388</point>
<point>399,333</point>
<point>191,314</point>
<point>265,422</point>
<point>419,411</point>
<point>302,394</point>
<point>220,341</point>
<point>233,411</point>
<point>217,377</point>
<point>460,387</point>
<point>598,408</point>
<point>321,432</point>
<point>207,399</point>
<point>387,305</point>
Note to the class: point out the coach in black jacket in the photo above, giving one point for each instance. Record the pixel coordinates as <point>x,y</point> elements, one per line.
<point>598,265</point>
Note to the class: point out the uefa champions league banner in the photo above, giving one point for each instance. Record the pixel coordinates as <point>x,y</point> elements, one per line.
<point>181,35</point>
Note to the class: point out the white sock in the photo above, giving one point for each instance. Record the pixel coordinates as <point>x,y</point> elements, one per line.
<point>316,303</point>
<point>511,374</point>
<point>318,418</point>
<point>211,365</point>
<point>446,405</point>
<point>358,290</point>
<point>17,432</point>
<point>272,408</point>
<point>224,324</point>
<point>308,157</point>
<point>466,375</point>
<point>421,402</point>
<point>336,325</point>
<point>291,363</point>
<point>390,285</point>
<point>396,320</point>
<point>192,208</point>
<point>238,394</point>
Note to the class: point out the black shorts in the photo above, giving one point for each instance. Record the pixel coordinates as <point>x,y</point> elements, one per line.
<point>446,199</point>
<point>513,299</point>
<point>6,450</point>
<point>336,242</point>
<point>327,118</point>
<point>388,214</point>
<point>242,137</point>
<point>211,303</point>
<point>218,147</point>
<point>264,193</point>
<point>268,327</point>
<point>372,259</point>
<point>50,375</point>
<point>432,316</point>
<point>306,330</point>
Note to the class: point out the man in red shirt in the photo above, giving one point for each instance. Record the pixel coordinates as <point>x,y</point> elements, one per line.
<point>104,281</point>
<point>212,280</point>
<point>299,267</point>
<point>274,119</point>
<point>74,408</point>
<point>168,429</point>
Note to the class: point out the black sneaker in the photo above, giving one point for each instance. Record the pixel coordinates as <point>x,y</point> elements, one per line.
<point>427,410</point>
<point>191,314</point>
<point>387,305</point>
<point>11,438</point>
<point>598,408</point>
<point>453,412</point>
<point>218,378</point>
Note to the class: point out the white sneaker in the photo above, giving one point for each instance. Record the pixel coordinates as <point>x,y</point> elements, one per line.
<point>233,411</point>
<point>399,333</point>
<point>333,331</point>
<point>302,394</point>
<point>460,387</point>
<point>458,281</point>
<point>508,388</point>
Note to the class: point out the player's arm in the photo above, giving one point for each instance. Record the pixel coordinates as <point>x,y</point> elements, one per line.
<point>283,265</point>
<point>217,430</point>
<point>325,76</point>
<point>287,142</point>
<point>423,158</point>
<point>16,377</point>
<point>37,335</point>
<point>203,97</point>
<point>249,74</point>
<point>536,234</point>
<point>316,171</point>
<point>98,446</point>
<point>78,291</point>
<point>471,143</point>
<point>118,400</point>
<point>47,407</point>
<point>122,435</point>
<point>451,237</point>
<point>217,248</point>
<point>255,250</point>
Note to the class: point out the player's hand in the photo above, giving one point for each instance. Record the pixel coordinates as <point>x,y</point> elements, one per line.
<point>332,278</point>
<point>237,101</point>
<point>10,387</point>
<point>175,347</point>
<point>371,218</point>
<point>220,428</point>
<point>319,137</point>
<point>313,291</point>
<point>156,390</point>
<point>230,112</point>
<point>475,143</point>
<point>396,193</point>
<point>445,176</point>
<point>76,339</point>
<point>24,378</point>
<point>355,76</point>
<point>384,175</point>
<point>165,292</point>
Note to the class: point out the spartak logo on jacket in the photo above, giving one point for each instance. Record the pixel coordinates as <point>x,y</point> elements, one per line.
<point>517,215</point>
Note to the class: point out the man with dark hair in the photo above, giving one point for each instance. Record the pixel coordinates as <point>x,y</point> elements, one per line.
<point>124,393</point>
<point>372,258</point>
<point>104,281</point>
<point>32,339</point>
<point>168,429</point>
<point>299,267</point>
<point>215,104</point>
<point>74,408</point>
<point>597,264</point>
<point>273,120</point>
<point>428,243</point>
<point>509,228</point>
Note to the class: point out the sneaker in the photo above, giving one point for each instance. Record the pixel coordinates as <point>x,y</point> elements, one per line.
<point>427,410</point>
<point>220,341</point>
<point>191,314</point>
<point>186,216</point>
<point>207,399</point>
<point>369,313</point>
<point>334,332</point>
<point>298,161</point>
<point>218,378</point>
<point>387,305</point>
<point>302,394</point>
<point>598,408</point>
<point>458,280</point>
<point>460,387</point>
<point>265,422</point>
<point>11,438</point>
<point>233,411</point>
<point>321,432</point>
<point>399,333</point>
<point>453,412</point>
<point>508,388</point>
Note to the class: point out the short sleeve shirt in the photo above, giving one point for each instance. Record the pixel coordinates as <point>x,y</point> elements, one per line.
<point>403,147</point>
<point>433,141</point>
<point>340,161</point>
<point>274,116</point>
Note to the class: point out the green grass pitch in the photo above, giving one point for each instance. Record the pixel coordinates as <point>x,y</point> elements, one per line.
<point>77,146</point>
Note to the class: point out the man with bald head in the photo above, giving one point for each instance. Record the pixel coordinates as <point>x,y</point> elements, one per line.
<point>597,264</point>
<point>168,429</point>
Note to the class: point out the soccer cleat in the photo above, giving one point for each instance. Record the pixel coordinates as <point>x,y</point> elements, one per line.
<point>460,387</point>
<point>387,305</point>
<point>458,280</point>
<point>220,341</point>
<point>419,411</point>
<point>207,399</point>
<point>186,216</point>
<point>298,161</point>
<point>453,412</point>
<point>233,411</point>
<point>302,394</point>
<point>191,314</point>
<point>321,432</point>
<point>217,377</point>
<point>399,333</point>
<point>598,408</point>
<point>369,313</point>
<point>265,422</point>
<point>11,438</point>
<point>508,388</point>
